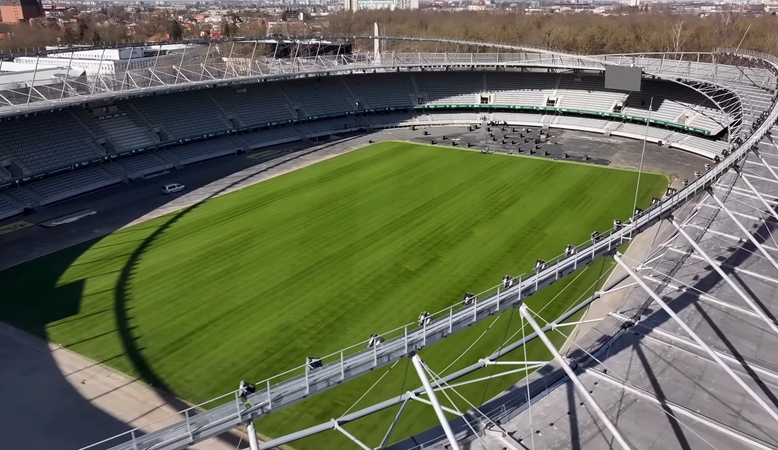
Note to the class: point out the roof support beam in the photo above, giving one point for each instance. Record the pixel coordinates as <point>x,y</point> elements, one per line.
<point>673,339</point>
<point>681,410</point>
<point>761,158</point>
<point>582,390</point>
<point>715,265</point>
<point>745,231</point>
<point>347,434</point>
<point>419,366</point>
<point>697,339</point>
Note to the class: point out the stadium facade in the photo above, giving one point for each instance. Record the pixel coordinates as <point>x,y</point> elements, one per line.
<point>720,105</point>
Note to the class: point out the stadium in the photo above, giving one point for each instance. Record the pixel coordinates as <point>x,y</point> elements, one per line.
<point>486,247</point>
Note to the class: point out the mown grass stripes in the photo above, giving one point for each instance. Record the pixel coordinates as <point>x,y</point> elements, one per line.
<point>247,285</point>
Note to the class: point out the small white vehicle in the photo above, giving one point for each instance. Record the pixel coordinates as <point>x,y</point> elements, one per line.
<point>172,188</point>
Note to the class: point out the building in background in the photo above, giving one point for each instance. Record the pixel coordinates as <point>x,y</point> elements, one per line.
<point>13,11</point>
<point>354,5</point>
<point>351,5</point>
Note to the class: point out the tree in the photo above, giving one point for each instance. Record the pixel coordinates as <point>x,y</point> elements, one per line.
<point>229,29</point>
<point>724,28</point>
<point>96,38</point>
<point>82,29</point>
<point>175,31</point>
<point>69,37</point>
<point>678,36</point>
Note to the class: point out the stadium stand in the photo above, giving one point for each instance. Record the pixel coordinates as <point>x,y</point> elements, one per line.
<point>700,145</point>
<point>50,141</point>
<point>57,188</point>
<point>182,114</point>
<point>170,157</point>
<point>121,126</point>
<point>372,90</point>
<point>325,127</point>
<point>638,131</point>
<point>672,103</point>
<point>319,96</point>
<point>255,104</point>
<point>143,164</point>
<point>200,151</point>
<point>45,140</point>
<point>580,123</point>
<point>23,196</point>
<point>449,118</point>
<point>448,88</point>
<point>576,92</point>
<point>519,118</point>
<point>8,206</point>
<point>528,89</point>
<point>116,170</point>
<point>392,120</point>
<point>265,138</point>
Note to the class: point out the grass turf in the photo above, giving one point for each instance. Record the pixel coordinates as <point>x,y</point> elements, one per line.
<point>246,285</point>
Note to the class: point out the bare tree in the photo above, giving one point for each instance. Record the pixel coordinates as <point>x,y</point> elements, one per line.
<point>678,36</point>
<point>724,28</point>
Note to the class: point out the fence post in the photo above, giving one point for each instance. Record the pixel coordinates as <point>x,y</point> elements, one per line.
<point>188,427</point>
<point>269,397</point>
<point>406,339</point>
<point>307,383</point>
<point>134,442</point>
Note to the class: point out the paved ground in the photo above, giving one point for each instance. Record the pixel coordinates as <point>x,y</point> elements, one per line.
<point>80,402</point>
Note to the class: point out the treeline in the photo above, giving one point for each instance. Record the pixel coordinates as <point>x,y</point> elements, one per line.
<point>579,33</point>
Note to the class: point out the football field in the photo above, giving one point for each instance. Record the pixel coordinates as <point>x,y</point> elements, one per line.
<point>247,285</point>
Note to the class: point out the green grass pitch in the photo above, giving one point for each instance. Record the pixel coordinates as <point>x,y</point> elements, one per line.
<point>247,285</point>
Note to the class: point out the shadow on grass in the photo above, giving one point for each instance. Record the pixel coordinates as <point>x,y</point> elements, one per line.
<point>121,295</point>
<point>37,387</point>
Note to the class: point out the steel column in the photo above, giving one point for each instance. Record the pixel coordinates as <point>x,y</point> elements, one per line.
<point>32,84</point>
<point>180,65</point>
<point>126,70</point>
<point>252,436</point>
<point>97,75</point>
<point>67,73</point>
<point>743,229</point>
<point>391,427</point>
<point>524,311</point>
<point>764,163</point>
<point>770,323</point>
<point>335,426</point>
<point>697,339</point>
<point>678,409</point>
<point>418,365</point>
<point>759,196</point>
<point>154,68</point>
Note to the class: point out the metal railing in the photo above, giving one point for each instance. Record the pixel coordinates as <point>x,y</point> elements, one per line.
<point>182,73</point>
